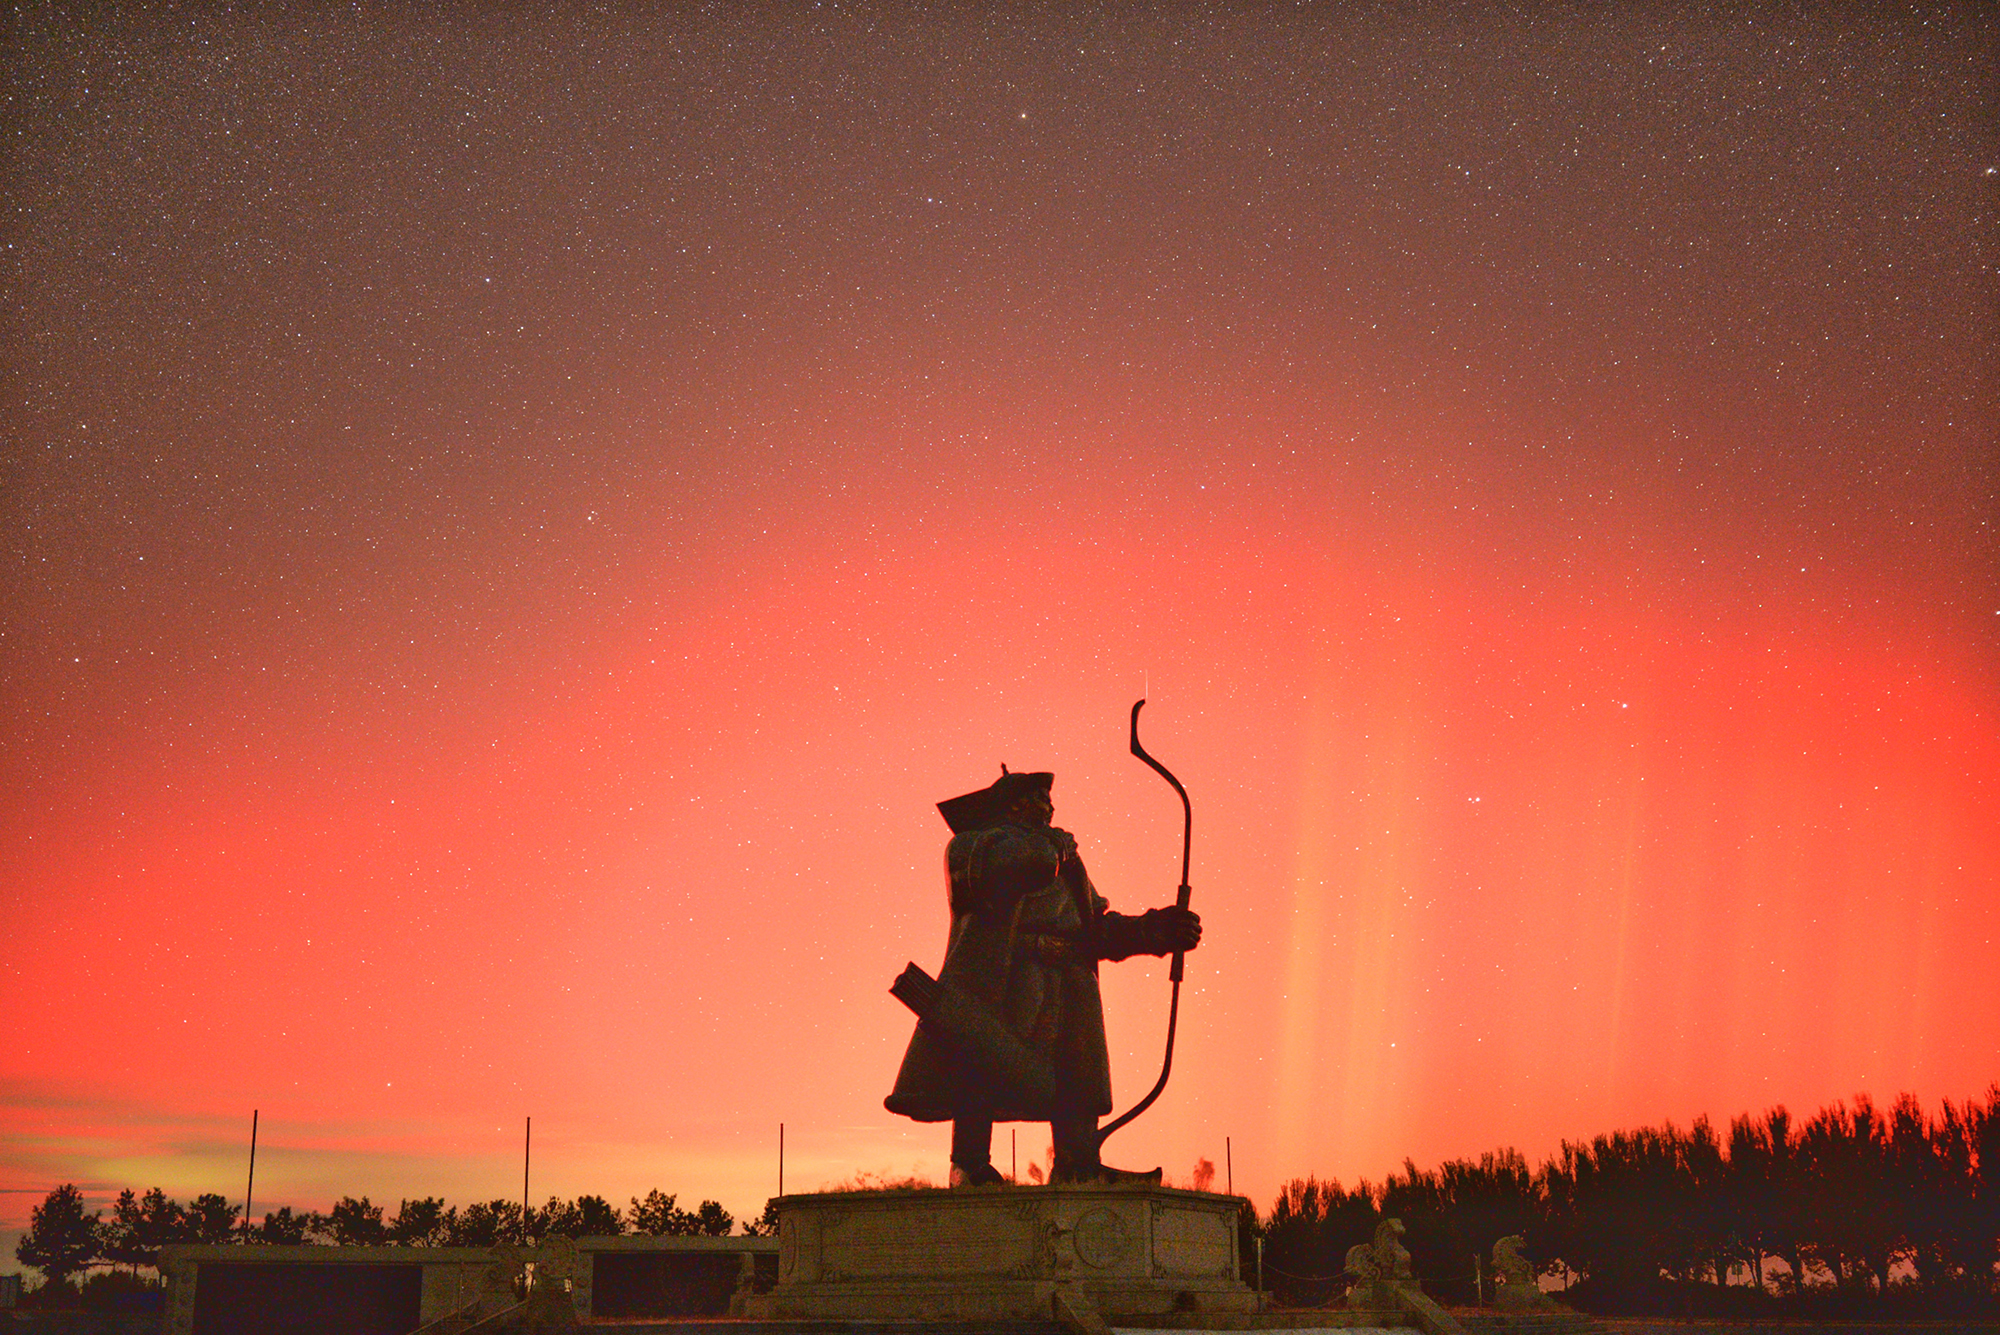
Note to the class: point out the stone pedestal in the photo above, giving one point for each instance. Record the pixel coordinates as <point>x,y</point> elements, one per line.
<point>1005,1253</point>
<point>1525,1298</point>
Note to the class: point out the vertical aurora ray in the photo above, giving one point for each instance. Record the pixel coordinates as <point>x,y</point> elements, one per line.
<point>1361,889</point>
<point>1628,874</point>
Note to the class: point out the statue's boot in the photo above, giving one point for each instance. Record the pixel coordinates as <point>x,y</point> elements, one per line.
<point>1105,1175</point>
<point>976,1175</point>
<point>1077,1161</point>
<point>1122,1176</point>
<point>972,1149</point>
<point>1077,1156</point>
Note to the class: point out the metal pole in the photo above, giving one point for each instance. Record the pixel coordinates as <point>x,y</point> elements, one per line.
<point>1229,1164</point>
<point>250,1185</point>
<point>527,1143</point>
<point>781,1158</point>
<point>1013,1154</point>
<point>1260,1263</point>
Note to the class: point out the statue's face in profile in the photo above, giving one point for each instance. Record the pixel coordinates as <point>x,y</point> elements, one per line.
<point>1035,808</point>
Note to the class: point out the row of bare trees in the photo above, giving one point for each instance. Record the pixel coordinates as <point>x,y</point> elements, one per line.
<point>1854,1209</point>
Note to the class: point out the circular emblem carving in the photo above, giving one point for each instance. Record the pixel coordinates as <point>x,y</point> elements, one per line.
<point>1101,1239</point>
<point>788,1246</point>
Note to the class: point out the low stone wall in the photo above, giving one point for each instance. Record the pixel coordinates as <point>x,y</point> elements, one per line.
<point>633,1275</point>
<point>361,1289</point>
<point>213,1290</point>
<point>28,1321</point>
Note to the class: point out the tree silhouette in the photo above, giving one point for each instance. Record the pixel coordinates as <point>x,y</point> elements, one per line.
<point>139,1227</point>
<point>1849,1220</point>
<point>1783,1213</point>
<point>658,1216</point>
<point>1312,1225</point>
<point>419,1223</point>
<point>122,1244</point>
<point>1979,1248</point>
<point>1439,1250</point>
<point>212,1219</point>
<point>1453,1216</point>
<point>1975,1244</point>
<point>1612,1206</point>
<point>61,1239</point>
<point>1747,1182</point>
<point>1957,1241</point>
<point>559,1218</point>
<point>1700,1242</point>
<point>485,1223</point>
<point>765,1225</point>
<point>353,1223</point>
<point>1493,1198</point>
<point>282,1228</point>
<point>598,1218</point>
<point>1917,1194</point>
<point>586,1216</point>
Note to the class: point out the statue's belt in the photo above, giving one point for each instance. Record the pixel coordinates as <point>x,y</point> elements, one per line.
<point>1055,947</point>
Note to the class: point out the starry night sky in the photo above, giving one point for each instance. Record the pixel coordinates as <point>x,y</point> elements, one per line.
<point>511,522</point>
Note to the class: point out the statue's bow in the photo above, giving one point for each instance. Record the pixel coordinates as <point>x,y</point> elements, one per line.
<point>1180,958</point>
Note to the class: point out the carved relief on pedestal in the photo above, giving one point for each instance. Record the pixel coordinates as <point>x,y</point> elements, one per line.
<point>1191,1243</point>
<point>788,1246</point>
<point>1102,1238</point>
<point>979,1254</point>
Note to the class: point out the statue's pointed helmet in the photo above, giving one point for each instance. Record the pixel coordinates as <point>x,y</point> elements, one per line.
<point>988,806</point>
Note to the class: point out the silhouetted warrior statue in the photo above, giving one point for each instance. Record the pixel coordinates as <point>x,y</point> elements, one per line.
<point>1013,1027</point>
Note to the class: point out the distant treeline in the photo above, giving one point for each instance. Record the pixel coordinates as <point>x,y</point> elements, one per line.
<point>62,1239</point>
<point>1854,1211</point>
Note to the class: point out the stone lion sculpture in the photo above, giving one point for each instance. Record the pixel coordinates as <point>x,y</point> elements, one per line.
<point>1509,1264</point>
<point>1520,1291</point>
<point>1385,1260</point>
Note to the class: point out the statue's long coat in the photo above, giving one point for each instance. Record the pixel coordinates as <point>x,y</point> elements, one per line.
<point>1027,930</point>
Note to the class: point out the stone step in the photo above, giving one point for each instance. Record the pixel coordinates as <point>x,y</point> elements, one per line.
<point>697,1326</point>
<point>1266,1323</point>
<point>1477,1322</point>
